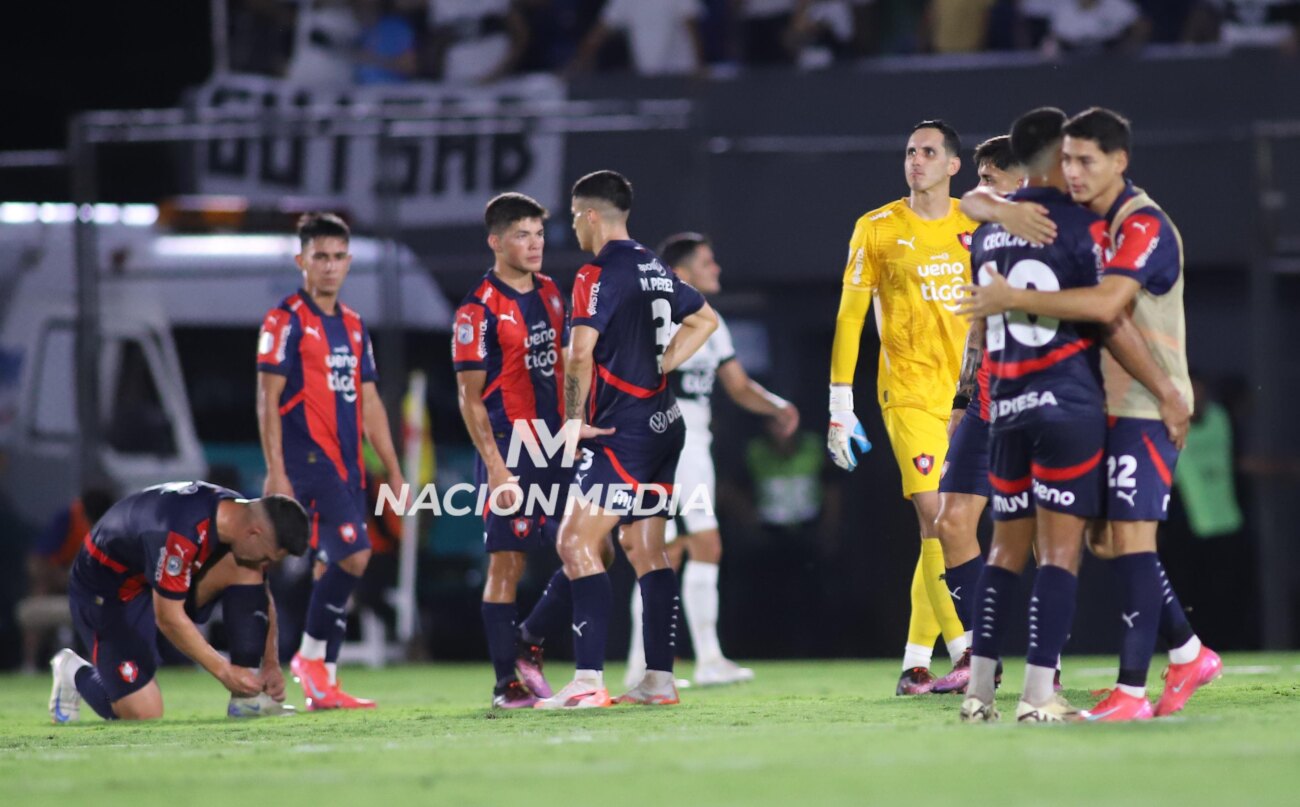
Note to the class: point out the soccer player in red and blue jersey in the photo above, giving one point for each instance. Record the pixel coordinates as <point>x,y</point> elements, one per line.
<point>1048,430</point>
<point>1142,276</point>
<point>160,560</point>
<point>316,398</point>
<point>621,349</point>
<point>507,351</point>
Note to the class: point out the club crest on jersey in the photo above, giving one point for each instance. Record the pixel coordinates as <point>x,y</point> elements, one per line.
<point>129,671</point>
<point>924,463</point>
<point>521,527</point>
<point>465,333</point>
<point>174,565</point>
<point>965,239</point>
<point>348,533</point>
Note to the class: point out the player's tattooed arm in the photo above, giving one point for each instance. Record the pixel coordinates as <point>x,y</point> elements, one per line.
<point>1126,344</point>
<point>971,359</point>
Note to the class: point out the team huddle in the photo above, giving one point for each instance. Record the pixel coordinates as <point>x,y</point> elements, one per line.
<point>993,384</point>
<point>1070,443</point>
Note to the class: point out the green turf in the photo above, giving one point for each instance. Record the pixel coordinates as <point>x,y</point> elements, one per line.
<point>818,733</point>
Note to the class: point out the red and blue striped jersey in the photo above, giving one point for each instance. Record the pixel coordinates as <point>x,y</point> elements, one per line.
<point>159,538</point>
<point>517,338</point>
<point>325,360</point>
<point>627,295</point>
<point>1043,369</point>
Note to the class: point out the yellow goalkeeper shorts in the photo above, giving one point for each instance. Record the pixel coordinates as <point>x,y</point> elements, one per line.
<point>920,442</point>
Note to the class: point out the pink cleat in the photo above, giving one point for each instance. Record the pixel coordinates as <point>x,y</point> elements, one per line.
<point>513,695</point>
<point>1181,680</point>
<point>916,681</point>
<point>1120,706</point>
<point>528,663</point>
<point>956,680</point>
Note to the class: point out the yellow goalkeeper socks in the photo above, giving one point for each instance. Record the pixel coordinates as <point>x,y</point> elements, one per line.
<point>923,626</point>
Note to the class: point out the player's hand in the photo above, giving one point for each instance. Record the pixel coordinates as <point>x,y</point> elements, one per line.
<point>1176,415</point>
<point>787,420</point>
<point>242,682</point>
<point>586,431</point>
<point>395,483</point>
<point>277,483</point>
<point>844,434</point>
<point>503,491</point>
<point>979,302</point>
<point>1029,221</point>
<point>273,682</point>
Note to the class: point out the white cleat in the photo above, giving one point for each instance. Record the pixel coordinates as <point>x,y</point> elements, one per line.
<point>721,672</point>
<point>634,675</point>
<point>655,689</point>
<point>974,710</point>
<point>1056,710</point>
<point>260,705</point>
<point>65,700</point>
<point>577,694</point>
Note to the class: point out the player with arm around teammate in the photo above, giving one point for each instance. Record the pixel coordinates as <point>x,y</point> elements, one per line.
<point>694,530</point>
<point>621,349</point>
<point>161,560</point>
<point>1143,275</point>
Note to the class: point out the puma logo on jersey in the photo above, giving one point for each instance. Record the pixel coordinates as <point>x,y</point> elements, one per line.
<point>508,316</point>
<point>1141,226</point>
<point>909,243</point>
<point>312,331</point>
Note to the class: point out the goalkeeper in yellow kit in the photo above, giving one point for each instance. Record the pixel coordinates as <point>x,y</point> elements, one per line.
<point>911,256</point>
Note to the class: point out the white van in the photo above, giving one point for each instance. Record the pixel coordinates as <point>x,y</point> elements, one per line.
<point>152,281</point>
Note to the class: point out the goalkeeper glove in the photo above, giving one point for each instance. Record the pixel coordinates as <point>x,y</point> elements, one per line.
<point>845,430</point>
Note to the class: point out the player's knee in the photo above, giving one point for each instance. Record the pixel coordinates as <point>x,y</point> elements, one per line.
<point>355,564</point>
<point>706,547</point>
<point>141,705</point>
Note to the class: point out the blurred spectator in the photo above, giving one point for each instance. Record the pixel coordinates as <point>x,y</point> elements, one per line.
<point>476,40</point>
<point>823,31</point>
<point>556,27</point>
<point>958,26</point>
<point>763,26</point>
<point>385,51</point>
<point>44,610</point>
<point>1095,25</point>
<point>1036,21</point>
<point>1247,23</point>
<point>1168,18</point>
<point>1204,474</point>
<point>324,38</point>
<point>663,37</point>
<point>787,474</point>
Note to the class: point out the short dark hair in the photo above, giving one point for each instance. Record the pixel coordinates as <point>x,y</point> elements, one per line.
<point>951,140</point>
<point>322,225</point>
<point>1109,130</point>
<point>677,249</point>
<point>1036,131</point>
<point>997,150</point>
<point>508,208</point>
<point>289,521</point>
<point>608,186</point>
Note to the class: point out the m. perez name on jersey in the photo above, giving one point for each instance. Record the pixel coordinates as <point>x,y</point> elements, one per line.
<point>1029,400</point>
<point>657,284</point>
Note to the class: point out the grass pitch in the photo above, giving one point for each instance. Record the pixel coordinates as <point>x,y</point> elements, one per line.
<point>819,733</point>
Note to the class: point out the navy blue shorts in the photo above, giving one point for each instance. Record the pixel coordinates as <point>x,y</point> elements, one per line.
<point>634,479</point>
<point>527,528</point>
<point>123,636</point>
<point>1055,465</point>
<point>338,515</point>
<point>966,468</point>
<point>1140,462</point>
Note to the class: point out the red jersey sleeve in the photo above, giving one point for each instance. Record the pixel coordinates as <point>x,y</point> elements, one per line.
<point>277,344</point>
<point>469,338</point>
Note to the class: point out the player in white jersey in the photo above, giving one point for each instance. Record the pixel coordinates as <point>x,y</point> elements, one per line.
<point>694,531</point>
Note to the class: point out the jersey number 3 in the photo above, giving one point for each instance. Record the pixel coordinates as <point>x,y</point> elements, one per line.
<point>1026,329</point>
<point>661,312</point>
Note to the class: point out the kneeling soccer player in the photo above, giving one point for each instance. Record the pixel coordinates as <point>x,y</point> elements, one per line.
<point>192,544</point>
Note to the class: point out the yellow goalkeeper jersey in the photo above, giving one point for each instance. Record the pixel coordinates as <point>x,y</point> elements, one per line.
<point>915,269</point>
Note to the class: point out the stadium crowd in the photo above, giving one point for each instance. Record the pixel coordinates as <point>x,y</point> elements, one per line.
<point>332,42</point>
